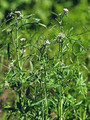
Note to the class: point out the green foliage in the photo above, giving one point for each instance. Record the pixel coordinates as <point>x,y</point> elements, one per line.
<point>44,72</point>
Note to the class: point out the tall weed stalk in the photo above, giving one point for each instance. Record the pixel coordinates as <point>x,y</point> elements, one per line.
<point>44,74</point>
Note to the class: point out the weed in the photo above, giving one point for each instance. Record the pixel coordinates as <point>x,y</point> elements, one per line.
<point>48,84</point>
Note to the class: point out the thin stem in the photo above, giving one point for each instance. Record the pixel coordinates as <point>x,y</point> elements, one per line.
<point>60,99</point>
<point>18,55</point>
<point>41,86</point>
<point>61,109</point>
<point>46,101</point>
<point>43,111</point>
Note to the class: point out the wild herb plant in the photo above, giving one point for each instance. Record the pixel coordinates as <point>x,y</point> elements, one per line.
<point>45,74</point>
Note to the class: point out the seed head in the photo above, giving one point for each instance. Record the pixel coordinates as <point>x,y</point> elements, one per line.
<point>61,36</point>
<point>65,11</point>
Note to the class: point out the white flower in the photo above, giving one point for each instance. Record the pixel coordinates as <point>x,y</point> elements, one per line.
<point>18,13</point>
<point>61,35</point>
<point>23,39</point>
<point>65,11</point>
<point>47,42</point>
<point>62,64</point>
<point>11,65</point>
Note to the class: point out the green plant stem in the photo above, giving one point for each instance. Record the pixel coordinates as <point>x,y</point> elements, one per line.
<point>18,51</point>
<point>46,101</point>
<point>43,111</point>
<point>1,64</point>
<point>41,85</point>
<point>60,99</point>
<point>61,108</point>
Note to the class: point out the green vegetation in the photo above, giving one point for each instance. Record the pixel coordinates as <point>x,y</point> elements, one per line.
<point>44,60</point>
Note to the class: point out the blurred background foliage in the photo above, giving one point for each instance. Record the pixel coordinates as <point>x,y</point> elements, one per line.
<point>78,19</point>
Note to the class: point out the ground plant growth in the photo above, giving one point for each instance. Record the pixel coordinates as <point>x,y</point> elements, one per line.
<point>42,72</point>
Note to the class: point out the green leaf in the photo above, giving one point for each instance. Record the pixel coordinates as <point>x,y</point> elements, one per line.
<point>85,67</point>
<point>79,102</point>
<point>31,65</point>
<point>42,25</point>
<point>37,103</point>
